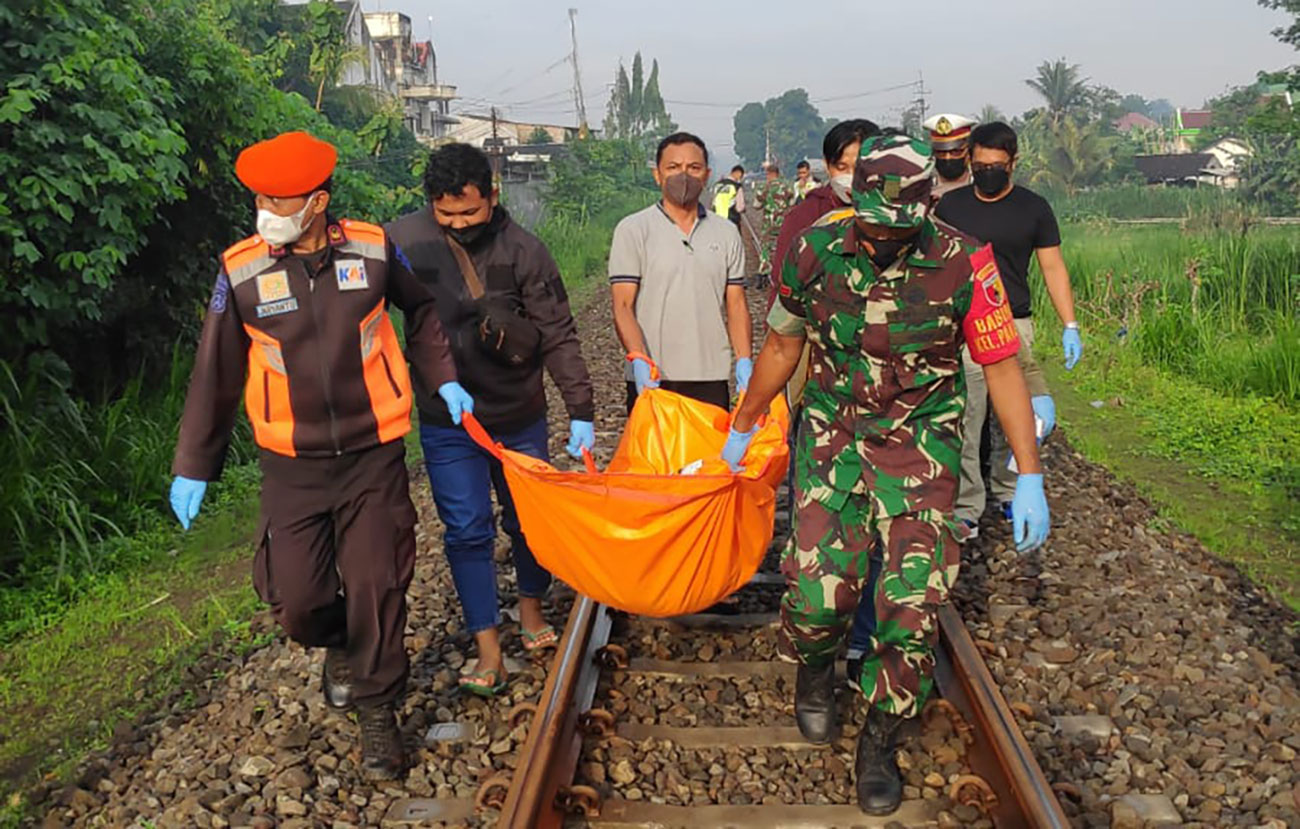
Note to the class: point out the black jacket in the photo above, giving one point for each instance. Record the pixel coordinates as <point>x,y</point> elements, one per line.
<point>516,269</point>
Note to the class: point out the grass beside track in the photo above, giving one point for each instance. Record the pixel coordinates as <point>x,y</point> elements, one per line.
<point>1198,455</point>
<point>125,647</point>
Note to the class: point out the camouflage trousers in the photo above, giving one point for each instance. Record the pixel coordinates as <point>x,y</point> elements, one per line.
<point>825,565</point>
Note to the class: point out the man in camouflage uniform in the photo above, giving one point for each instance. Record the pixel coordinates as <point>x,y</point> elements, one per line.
<point>887,298</point>
<point>773,198</point>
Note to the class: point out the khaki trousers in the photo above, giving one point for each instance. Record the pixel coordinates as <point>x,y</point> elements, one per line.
<point>972,494</point>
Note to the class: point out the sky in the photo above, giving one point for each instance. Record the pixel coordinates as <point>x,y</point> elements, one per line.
<point>851,55</point>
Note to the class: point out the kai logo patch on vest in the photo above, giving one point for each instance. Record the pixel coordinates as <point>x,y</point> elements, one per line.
<point>351,274</point>
<point>273,287</point>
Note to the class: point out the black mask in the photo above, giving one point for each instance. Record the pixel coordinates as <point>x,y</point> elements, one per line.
<point>888,251</point>
<point>470,235</point>
<point>992,180</point>
<point>951,169</point>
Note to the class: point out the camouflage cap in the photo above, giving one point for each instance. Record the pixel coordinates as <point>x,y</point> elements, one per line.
<point>892,181</point>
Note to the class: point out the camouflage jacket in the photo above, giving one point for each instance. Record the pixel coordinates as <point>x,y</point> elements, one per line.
<point>773,199</point>
<point>886,390</point>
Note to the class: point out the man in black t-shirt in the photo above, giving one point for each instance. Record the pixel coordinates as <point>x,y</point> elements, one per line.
<point>1019,224</point>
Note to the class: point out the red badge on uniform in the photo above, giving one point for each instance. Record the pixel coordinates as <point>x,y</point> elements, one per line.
<point>989,326</point>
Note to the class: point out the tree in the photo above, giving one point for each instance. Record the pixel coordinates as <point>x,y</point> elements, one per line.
<point>637,101</point>
<point>539,135</point>
<point>990,113</point>
<point>1287,34</point>
<point>636,108</point>
<point>1061,87</point>
<point>788,126</point>
<point>1068,155</point>
<point>330,53</point>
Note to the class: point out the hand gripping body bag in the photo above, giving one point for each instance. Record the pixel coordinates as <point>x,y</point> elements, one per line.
<point>640,536</point>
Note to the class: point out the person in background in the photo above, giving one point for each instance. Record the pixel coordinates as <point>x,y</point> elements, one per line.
<point>677,276</point>
<point>461,244</point>
<point>840,150</point>
<point>887,297</point>
<point>773,198</point>
<point>298,324</point>
<point>950,138</point>
<point>804,183</point>
<point>729,195</point>
<point>1018,223</point>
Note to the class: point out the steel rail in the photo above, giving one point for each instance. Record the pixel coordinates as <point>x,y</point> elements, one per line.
<point>549,756</point>
<point>1008,784</point>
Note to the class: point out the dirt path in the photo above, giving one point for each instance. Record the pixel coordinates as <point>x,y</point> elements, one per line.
<point>1195,673</point>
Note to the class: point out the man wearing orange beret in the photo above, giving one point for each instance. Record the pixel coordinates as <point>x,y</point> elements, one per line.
<point>298,324</point>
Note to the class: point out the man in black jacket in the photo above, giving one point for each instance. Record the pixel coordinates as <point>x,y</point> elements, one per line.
<point>503,305</point>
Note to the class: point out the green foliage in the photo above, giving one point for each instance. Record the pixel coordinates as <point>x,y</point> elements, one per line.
<point>789,125</point>
<point>1063,89</point>
<point>539,135</point>
<point>1069,154</point>
<point>1140,201</point>
<point>91,151</point>
<point>78,479</point>
<point>636,108</point>
<point>1286,34</point>
<point>1219,308</point>
<point>120,123</point>
<point>598,174</point>
<point>991,113</point>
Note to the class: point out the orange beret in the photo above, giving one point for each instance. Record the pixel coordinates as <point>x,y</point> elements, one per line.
<point>291,164</point>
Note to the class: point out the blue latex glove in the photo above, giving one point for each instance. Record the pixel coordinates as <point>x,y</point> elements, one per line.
<point>744,371</point>
<point>733,451</point>
<point>186,497</point>
<point>1045,408</point>
<point>457,399</point>
<point>1029,515</point>
<point>641,374</point>
<point>1073,345</point>
<point>582,435</point>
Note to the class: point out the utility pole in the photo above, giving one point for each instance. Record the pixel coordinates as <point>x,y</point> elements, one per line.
<point>579,100</point>
<point>921,92</point>
<point>495,155</point>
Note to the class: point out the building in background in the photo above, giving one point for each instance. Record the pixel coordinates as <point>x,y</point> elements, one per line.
<point>409,70</point>
<point>487,132</point>
<point>386,58</point>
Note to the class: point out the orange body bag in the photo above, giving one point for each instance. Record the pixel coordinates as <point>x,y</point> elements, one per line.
<point>642,536</point>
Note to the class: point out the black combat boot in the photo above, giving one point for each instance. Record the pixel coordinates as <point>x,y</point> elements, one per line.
<point>880,786</point>
<point>814,703</point>
<point>336,679</point>
<point>382,756</point>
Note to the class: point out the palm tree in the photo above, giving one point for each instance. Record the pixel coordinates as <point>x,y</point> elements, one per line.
<point>990,113</point>
<point>1061,87</point>
<point>1069,155</point>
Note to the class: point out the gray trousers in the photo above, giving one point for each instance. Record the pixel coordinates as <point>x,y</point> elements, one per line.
<point>972,494</point>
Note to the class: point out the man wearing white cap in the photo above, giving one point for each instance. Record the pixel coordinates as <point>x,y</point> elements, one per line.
<point>950,139</point>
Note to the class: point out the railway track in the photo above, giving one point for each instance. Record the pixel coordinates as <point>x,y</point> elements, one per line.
<point>995,779</point>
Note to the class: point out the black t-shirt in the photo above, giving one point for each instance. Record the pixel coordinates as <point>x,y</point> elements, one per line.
<point>1015,225</point>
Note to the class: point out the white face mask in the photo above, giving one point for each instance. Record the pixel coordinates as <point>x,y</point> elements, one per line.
<point>279,231</point>
<point>842,186</point>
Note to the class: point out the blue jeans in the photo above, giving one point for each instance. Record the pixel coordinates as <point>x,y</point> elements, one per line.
<point>864,621</point>
<point>462,477</point>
